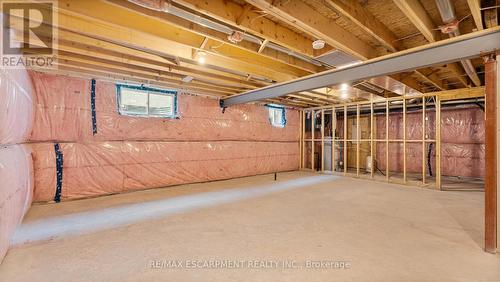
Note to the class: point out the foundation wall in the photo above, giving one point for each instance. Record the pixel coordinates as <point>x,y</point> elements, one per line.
<point>131,153</point>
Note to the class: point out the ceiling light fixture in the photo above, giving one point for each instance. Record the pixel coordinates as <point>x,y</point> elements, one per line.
<point>201,57</point>
<point>187,79</point>
<point>318,44</point>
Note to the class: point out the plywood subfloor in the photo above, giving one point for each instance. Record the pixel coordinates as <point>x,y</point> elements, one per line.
<point>384,232</point>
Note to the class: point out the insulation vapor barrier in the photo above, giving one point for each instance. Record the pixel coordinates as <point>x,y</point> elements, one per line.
<point>113,167</point>
<point>127,153</point>
<point>462,142</point>
<point>16,188</point>
<point>63,113</point>
<point>16,106</point>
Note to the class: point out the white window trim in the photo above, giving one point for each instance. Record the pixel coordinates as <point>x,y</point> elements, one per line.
<point>147,91</point>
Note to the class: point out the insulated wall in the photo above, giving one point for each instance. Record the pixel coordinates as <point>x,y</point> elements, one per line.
<point>462,142</point>
<point>16,166</point>
<point>129,153</point>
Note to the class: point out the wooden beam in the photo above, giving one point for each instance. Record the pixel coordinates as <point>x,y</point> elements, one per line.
<point>423,22</point>
<point>432,78</point>
<point>251,21</point>
<point>98,13</point>
<point>221,37</point>
<point>305,18</point>
<point>458,94</point>
<point>475,9</point>
<point>299,14</point>
<point>74,43</point>
<point>369,23</point>
<point>491,15</point>
<point>416,13</point>
<point>243,13</point>
<point>356,13</point>
<point>263,45</point>
<point>457,72</point>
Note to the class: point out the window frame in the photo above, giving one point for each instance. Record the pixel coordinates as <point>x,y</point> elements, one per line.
<point>272,108</point>
<point>147,90</point>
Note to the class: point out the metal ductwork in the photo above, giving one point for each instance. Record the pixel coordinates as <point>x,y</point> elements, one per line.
<point>447,12</point>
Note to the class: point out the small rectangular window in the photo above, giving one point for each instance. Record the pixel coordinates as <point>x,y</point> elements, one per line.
<point>277,115</point>
<point>145,101</point>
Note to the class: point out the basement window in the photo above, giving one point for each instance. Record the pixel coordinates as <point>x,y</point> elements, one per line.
<point>277,115</point>
<point>146,101</point>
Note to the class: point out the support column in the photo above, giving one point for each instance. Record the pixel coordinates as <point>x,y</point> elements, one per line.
<point>490,189</point>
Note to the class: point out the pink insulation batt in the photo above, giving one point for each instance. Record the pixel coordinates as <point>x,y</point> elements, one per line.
<point>131,153</point>
<point>462,142</point>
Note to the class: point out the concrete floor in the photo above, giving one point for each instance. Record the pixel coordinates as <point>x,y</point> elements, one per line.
<point>361,230</point>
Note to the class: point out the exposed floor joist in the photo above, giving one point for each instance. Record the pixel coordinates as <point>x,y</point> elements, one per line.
<point>416,13</point>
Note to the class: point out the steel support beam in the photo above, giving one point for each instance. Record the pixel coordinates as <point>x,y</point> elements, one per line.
<point>442,52</point>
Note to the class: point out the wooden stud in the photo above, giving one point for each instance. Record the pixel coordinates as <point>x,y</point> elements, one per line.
<point>334,129</point>
<point>404,140</point>
<point>313,120</point>
<point>438,142</point>
<point>302,138</point>
<point>358,133</point>
<point>345,140</point>
<point>322,140</point>
<point>372,136</point>
<point>424,174</point>
<point>387,140</point>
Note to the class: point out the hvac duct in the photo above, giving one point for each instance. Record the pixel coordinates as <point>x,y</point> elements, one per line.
<point>447,12</point>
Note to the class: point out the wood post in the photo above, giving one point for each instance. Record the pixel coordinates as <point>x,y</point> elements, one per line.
<point>313,121</point>
<point>387,140</point>
<point>490,191</point>
<point>358,138</point>
<point>372,136</point>
<point>438,142</point>
<point>322,140</point>
<point>301,140</point>
<point>334,129</point>
<point>345,140</point>
<point>424,173</point>
<point>404,140</point>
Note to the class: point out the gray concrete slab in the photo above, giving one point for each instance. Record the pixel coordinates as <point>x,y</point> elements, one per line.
<point>256,229</point>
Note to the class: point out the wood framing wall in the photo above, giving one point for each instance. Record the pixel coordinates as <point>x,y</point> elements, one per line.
<point>355,137</point>
<point>363,130</point>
